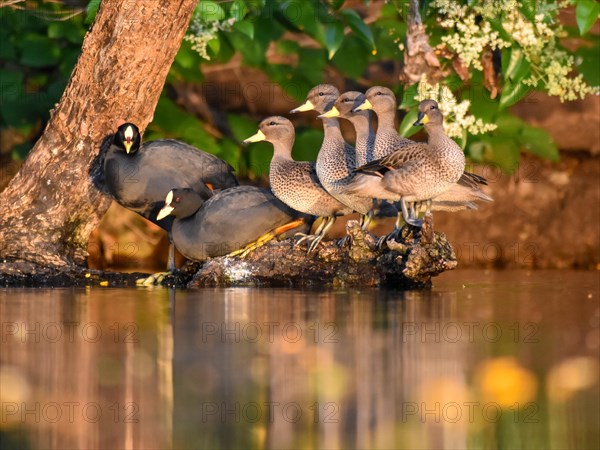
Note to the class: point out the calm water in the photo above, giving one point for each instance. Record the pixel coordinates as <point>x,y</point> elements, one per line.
<point>484,360</point>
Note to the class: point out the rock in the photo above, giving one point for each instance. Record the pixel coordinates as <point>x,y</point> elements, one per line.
<point>410,263</point>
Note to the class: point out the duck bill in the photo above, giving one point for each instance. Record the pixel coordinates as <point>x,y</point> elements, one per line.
<point>306,106</point>
<point>363,106</point>
<point>259,136</point>
<point>164,212</point>
<point>333,112</point>
<point>422,119</point>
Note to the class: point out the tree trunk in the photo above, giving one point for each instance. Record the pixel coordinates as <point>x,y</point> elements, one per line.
<point>51,206</point>
<point>419,57</point>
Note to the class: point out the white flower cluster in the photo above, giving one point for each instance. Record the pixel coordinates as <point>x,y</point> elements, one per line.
<point>200,33</point>
<point>457,119</point>
<point>471,40</point>
<point>550,65</point>
<point>531,36</point>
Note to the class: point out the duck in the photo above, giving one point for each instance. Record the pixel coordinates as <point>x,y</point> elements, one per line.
<point>382,101</point>
<point>232,222</point>
<point>139,175</point>
<point>296,182</point>
<point>345,107</point>
<point>361,120</point>
<point>418,172</point>
<point>336,158</point>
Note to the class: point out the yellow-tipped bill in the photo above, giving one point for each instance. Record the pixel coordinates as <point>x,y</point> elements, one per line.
<point>363,106</point>
<point>422,119</point>
<point>306,106</point>
<point>259,136</point>
<point>333,112</point>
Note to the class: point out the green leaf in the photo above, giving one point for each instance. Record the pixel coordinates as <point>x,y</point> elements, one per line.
<point>539,142</point>
<point>586,13</point>
<point>503,152</point>
<point>71,30</point>
<point>251,49</point>
<point>186,66</point>
<point>8,49</point>
<point>214,45</point>
<point>359,27</point>
<point>406,126</point>
<point>408,98</point>
<point>39,51</point>
<point>287,47</point>
<point>337,4</point>
<point>231,152</point>
<point>186,57</point>
<point>260,153</point>
<point>588,63</point>
<point>209,11</point>
<point>172,121</point>
<point>334,35</point>
<point>245,27</point>
<point>242,127</point>
<point>302,16</point>
<point>482,106</point>
<point>238,10</point>
<point>518,67</point>
<point>388,11</point>
<point>11,85</point>
<point>509,125</point>
<point>512,93</point>
<point>477,149</point>
<point>91,11</point>
<point>308,144</point>
<point>351,58</point>
<point>311,65</point>
<point>388,33</point>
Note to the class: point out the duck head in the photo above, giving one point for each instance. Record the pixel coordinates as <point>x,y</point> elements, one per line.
<point>429,114</point>
<point>320,98</point>
<point>274,129</point>
<point>378,98</point>
<point>345,105</point>
<point>277,130</point>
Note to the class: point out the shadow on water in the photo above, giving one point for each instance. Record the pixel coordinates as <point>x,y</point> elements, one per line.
<point>483,360</point>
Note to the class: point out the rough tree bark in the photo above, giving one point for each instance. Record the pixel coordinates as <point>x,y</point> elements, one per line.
<point>50,207</point>
<point>419,57</point>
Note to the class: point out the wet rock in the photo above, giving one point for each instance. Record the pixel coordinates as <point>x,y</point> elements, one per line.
<point>18,273</point>
<point>412,262</point>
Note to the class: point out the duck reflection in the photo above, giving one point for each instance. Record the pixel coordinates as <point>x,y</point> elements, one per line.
<point>265,368</point>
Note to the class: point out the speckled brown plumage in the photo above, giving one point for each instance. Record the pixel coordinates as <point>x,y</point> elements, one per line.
<point>419,171</point>
<point>387,140</point>
<point>362,123</point>
<point>336,159</point>
<point>296,182</point>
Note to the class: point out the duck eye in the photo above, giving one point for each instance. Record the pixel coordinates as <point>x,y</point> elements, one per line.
<point>321,94</point>
<point>346,100</point>
<point>271,123</point>
<point>379,93</point>
<point>432,107</point>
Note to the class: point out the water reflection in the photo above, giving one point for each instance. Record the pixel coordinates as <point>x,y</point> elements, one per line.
<point>494,360</point>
